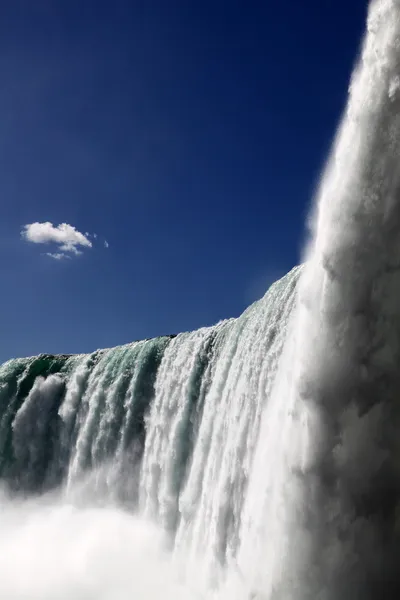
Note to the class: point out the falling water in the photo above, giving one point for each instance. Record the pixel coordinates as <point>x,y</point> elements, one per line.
<point>324,515</point>
<point>254,459</point>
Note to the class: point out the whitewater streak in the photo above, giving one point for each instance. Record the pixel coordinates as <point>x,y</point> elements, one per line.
<point>255,459</point>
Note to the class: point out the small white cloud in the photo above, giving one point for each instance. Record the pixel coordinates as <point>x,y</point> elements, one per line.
<point>67,237</point>
<point>106,244</point>
<point>57,255</point>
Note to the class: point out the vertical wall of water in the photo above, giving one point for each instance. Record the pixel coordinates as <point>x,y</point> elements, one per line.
<point>329,501</point>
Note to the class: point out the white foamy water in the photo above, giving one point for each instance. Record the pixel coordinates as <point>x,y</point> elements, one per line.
<point>53,550</point>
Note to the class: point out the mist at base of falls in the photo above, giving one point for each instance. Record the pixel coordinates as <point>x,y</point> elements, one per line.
<point>257,459</point>
<point>78,545</point>
<point>51,549</point>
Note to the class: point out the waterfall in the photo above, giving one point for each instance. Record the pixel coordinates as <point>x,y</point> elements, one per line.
<point>256,459</point>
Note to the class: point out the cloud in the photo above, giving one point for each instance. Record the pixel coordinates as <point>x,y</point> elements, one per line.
<point>106,244</point>
<point>66,237</point>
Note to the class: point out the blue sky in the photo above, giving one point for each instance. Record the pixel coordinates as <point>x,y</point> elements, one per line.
<point>189,135</point>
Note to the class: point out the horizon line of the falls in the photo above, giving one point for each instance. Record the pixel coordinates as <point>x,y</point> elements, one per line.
<point>325,514</point>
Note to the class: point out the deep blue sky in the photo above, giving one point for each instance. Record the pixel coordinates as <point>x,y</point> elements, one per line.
<point>190,135</point>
